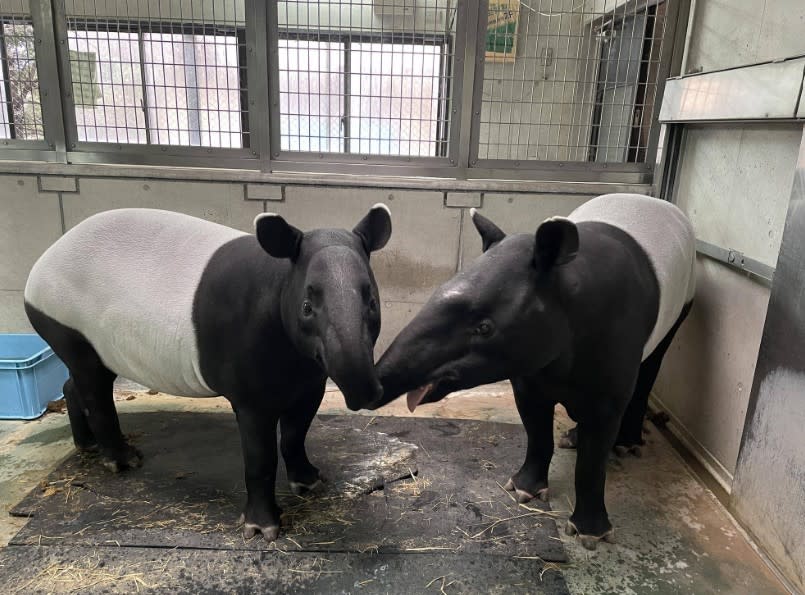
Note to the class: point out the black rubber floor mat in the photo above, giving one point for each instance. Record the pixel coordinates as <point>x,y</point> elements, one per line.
<point>60,569</point>
<point>423,487</point>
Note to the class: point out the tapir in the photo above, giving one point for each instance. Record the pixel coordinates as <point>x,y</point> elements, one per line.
<point>193,308</point>
<point>580,313</point>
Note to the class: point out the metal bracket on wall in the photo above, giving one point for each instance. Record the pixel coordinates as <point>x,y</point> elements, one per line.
<point>733,258</point>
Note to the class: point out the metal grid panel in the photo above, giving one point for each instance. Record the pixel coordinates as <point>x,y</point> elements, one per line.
<point>166,73</point>
<point>571,80</point>
<point>20,108</point>
<point>365,76</point>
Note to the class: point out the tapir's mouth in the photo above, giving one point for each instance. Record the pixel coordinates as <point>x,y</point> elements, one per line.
<point>416,396</point>
<point>433,390</point>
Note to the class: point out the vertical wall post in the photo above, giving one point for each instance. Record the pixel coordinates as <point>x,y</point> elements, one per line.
<point>257,74</point>
<point>273,64</point>
<point>461,150</point>
<point>47,63</point>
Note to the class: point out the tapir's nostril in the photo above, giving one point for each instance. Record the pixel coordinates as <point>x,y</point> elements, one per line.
<point>320,359</point>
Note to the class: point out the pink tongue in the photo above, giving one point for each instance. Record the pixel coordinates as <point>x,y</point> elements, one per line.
<point>415,396</point>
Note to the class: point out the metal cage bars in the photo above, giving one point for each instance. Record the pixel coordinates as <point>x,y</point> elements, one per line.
<point>455,77</point>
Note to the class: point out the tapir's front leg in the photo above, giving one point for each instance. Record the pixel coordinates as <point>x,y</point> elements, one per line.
<point>589,519</point>
<point>294,424</point>
<point>258,437</point>
<point>531,481</point>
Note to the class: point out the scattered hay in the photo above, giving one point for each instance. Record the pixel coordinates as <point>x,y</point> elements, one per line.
<point>548,567</point>
<point>315,567</point>
<point>308,515</point>
<point>411,486</point>
<point>60,486</point>
<point>92,572</point>
<point>443,584</point>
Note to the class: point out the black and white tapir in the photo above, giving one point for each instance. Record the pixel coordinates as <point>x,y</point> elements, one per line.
<point>580,313</point>
<point>194,308</point>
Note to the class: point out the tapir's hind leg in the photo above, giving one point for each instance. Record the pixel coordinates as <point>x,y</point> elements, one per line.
<point>630,436</point>
<point>83,437</point>
<point>88,391</point>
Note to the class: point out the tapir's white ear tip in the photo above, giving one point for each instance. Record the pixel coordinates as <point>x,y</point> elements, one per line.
<point>263,216</point>
<point>557,218</point>
<point>473,212</point>
<point>380,205</point>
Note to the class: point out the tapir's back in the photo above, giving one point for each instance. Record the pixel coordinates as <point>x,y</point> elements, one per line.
<point>666,236</point>
<point>126,280</point>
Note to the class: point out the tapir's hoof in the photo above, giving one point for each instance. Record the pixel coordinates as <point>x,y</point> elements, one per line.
<point>569,439</point>
<point>130,458</point>
<point>590,542</point>
<point>633,450</point>
<point>523,496</point>
<point>270,532</point>
<point>300,489</point>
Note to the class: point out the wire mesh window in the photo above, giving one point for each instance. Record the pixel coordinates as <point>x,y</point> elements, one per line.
<point>571,80</point>
<point>560,80</point>
<point>172,74</point>
<point>366,76</point>
<point>21,113</point>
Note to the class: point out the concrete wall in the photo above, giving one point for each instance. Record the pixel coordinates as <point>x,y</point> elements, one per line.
<point>429,242</point>
<point>735,183</point>
<point>728,33</point>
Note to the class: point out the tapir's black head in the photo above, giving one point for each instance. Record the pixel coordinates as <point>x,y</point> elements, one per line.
<point>330,306</point>
<point>494,320</point>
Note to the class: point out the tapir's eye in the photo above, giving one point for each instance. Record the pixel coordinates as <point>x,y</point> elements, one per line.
<point>484,329</point>
<point>307,308</point>
<point>372,305</point>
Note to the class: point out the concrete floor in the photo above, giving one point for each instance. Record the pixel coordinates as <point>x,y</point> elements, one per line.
<point>673,535</point>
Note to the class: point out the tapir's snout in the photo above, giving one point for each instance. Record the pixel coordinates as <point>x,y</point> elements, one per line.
<point>350,364</point>
<point>358,387</point>
<point>359,397</point>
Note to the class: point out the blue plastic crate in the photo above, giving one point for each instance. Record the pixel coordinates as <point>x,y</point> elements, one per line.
<point>30,376</point>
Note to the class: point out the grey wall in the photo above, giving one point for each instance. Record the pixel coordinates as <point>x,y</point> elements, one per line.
<point>429,242</point>
<point>773,448</point>
<point>728,33</point>
<point>734,182</point>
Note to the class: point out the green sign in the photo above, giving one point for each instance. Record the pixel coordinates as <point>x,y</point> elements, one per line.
<point>83,69</point>
<point>501,30</point>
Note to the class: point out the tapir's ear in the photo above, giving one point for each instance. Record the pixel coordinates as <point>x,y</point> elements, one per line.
<point>491,234</point>
<point>375,228</point>
<point>277,237</point>
<point>557,242</point>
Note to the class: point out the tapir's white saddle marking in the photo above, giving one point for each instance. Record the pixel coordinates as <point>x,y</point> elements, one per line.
<point>126,279</point>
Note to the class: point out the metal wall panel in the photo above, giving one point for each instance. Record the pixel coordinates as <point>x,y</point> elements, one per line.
<point>759,92</point>
<point>769,489</point>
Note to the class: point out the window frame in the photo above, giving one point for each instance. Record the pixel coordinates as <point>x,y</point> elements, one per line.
<point>91,152</point>
<point>13,147</point>
<point>462,74</point>
<point>638,173</point>
<point>635,151</point>
<point>283,159</point>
